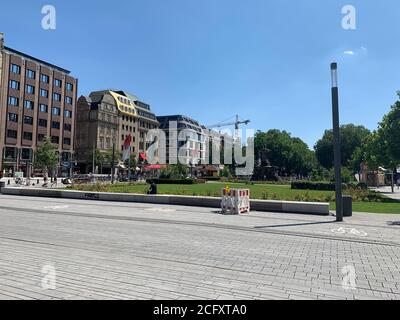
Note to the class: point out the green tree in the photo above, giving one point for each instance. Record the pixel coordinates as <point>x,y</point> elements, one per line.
<point>389,134</point>
<point>46,157</point>
<point>290,155</point>
<point>175,171</point>
<point>352,137</point>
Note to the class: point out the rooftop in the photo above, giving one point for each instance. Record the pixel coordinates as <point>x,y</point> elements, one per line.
<point>28,57</point>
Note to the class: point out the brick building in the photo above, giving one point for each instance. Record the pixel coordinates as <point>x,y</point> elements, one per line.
<point>37,100</point>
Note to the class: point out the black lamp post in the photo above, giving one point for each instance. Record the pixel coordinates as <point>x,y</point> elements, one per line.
<point>113,160</point>
<point>336,144</point>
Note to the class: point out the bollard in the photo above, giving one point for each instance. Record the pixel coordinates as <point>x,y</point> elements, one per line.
<point>9,182</point>
<point>347,206</point>
<point>2,185</point>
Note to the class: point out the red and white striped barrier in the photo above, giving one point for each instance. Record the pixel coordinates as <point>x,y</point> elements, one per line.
<point>236,201</point>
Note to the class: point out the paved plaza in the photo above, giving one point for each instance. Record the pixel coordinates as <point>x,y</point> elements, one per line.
<point>109,250</point>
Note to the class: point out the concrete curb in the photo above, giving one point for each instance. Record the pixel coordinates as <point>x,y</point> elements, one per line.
<point>314,208</point>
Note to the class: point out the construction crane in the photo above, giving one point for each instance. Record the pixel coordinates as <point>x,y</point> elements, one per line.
<point>237,123</point>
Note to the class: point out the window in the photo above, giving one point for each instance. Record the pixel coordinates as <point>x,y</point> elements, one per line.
<point>69,86</point>
<point>28,120</point>
<point>12,117</point>
<point>40,137</point>
<point>14,84</point>
<point>43,108</point>
<point>42,123</point>
<point>67,127</point>
<point>26,154</point>
<point>12,134</point>
<point>55,139</point>
<point>57,83</point>
<point>30,74</point>
<point>29,104</point>
<point>30,89</point>
<point>15,69</point>
<point>56,96</point>
<point>44,78</point>
<point>12,101</point>
<point>56,111</point>
<point>67,114</point>
<point>44,93</point>
<point>68,100</point>
<point>28,136</point>
<point>10,153</point>
<point>55,125</point>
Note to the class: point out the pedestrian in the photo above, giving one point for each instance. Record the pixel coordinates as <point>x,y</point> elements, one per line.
<point>398,184</point>
<point>54,183</point>
<point>45,183</point>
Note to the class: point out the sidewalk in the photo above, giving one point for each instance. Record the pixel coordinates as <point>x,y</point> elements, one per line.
<point>387,191</point>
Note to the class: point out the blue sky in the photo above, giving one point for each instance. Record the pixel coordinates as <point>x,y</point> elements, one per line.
<point>266,60</point>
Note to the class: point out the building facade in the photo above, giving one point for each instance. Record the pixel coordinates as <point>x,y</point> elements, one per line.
<point>107,117</point>
<point>37,100</point>
<point>193,150</point>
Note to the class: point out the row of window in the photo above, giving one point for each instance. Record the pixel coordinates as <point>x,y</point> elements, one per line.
<point>13,101</point>
<point>128,128</point>
<point>43,92</point>
<point>31,74</point>
<point>12,153</point>
<point>12,117</point>
<point>29,137</point>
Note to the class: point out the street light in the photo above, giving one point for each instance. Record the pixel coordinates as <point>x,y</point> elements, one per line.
<point>336,144</point>
<point>113,160</point>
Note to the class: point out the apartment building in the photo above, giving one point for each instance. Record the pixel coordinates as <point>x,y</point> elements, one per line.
<point>107,117</point>
<point>37,100</point>
<point>193,149</point>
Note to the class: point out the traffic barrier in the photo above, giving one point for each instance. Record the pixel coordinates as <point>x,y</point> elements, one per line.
<point>236,201</point>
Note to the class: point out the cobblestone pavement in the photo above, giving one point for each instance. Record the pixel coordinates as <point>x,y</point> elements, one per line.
<point>110,250</point>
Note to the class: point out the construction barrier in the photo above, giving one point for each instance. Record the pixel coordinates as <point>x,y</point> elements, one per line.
<point>235,201</point>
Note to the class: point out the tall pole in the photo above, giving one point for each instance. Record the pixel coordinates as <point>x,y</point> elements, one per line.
<point>336,144</point>
<point>129,165</point>
<point>113,161</point>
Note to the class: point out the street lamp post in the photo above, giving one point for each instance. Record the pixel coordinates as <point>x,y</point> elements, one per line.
<point>336,144</point>
<point>113,160</point>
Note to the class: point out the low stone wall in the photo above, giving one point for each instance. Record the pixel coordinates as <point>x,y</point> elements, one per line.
<point>315,208</point>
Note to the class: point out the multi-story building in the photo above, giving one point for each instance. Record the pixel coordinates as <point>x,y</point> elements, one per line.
<point>191,151</point>
<point>107,117</point>
<point>37,100</point>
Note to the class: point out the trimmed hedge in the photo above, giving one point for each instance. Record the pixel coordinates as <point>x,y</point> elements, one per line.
<point>175,181</point>
<point>325,186</point>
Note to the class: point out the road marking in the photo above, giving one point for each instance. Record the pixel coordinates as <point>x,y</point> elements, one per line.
<point>56,207</point>
<point>160,209</point>
<point>353,231</point>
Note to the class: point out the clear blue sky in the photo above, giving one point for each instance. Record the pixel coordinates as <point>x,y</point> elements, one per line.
<point>267,60</point>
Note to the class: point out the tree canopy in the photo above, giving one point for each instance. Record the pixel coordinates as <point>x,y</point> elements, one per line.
<point>352,137</point>
<point>46,156</point>
<point>291,155</point>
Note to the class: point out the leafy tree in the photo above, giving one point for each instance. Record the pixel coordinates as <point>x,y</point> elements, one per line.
<point>352,137</point>
<point>175,171</point>
<point>290,155</point>
<point>46,156</point>
<point>382,147</point>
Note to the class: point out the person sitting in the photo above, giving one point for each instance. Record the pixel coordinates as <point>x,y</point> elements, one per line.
<point>153,188</point>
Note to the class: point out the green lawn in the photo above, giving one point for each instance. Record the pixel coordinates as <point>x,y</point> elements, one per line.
<point>257,191</point>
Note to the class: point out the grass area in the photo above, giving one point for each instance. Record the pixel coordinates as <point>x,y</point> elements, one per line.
<point>365,201</point>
